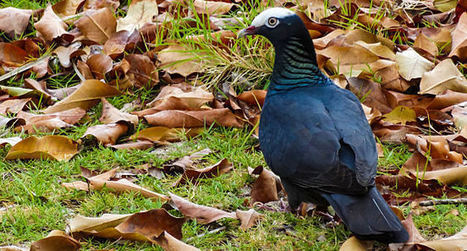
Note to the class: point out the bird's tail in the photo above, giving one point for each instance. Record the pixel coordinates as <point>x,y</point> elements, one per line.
<point>368,217</point>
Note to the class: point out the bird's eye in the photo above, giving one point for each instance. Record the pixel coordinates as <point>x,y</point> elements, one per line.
<point>272,22</point>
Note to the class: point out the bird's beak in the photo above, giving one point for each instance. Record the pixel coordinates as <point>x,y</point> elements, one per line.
<point>250,30</point>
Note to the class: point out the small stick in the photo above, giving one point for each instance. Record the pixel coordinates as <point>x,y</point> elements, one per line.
<point>203,234</point>
<point>427,203</point>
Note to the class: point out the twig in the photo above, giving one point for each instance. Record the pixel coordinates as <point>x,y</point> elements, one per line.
<point>203,234</point>
<point>427,203</point>
<point>22,68</point>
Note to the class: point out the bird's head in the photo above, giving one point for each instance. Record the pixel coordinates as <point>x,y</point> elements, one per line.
<point>276,24</point>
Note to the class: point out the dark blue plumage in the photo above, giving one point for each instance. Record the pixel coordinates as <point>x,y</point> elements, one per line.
<point>315,136</point>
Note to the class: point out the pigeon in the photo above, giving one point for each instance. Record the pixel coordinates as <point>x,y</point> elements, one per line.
<point>314,135</point>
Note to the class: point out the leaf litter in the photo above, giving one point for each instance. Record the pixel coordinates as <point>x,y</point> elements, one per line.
<point>409,76</point>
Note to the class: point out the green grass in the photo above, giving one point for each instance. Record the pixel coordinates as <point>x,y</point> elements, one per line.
<point>37,203</point>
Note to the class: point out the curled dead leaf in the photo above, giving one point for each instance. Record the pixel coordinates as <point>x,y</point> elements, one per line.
<point>266,187</point>
<point>110,114</point>
<point>177,59</point>
<point>50,26</point>
<point>189,119</point>
<point>56,240</point>
<point>192,175</point>
<point>97,25</point>
<point>14,21</point>
<point>165,134</point>
<point>108,134</point>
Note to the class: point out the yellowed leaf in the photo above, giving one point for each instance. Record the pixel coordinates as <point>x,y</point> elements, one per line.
<point>353,244</point>
<point>176,59</point>
<point>86,96</point>
<point>400,115</point>
<point>50,147</point>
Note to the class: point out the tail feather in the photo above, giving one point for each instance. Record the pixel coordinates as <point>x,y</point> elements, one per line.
<point>369,217</point>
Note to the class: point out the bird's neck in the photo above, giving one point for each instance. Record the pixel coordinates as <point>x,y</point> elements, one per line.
<point>295,65</point>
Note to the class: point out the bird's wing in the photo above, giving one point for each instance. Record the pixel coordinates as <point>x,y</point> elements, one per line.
<point>300,144</point>
<point>349,120</point>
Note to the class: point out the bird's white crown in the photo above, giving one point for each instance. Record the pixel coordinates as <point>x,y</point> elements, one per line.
<point>276,12</point>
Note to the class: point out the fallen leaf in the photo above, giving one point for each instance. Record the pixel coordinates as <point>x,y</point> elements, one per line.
<point>99,64</point>
<point>54,147</point>
<point>99,4</point>
<point>400,115</point>
<point>459,38</point>
<point>138,14</point>
<point>253,97</point>
<point>177,59</point>
<point>212,7</point>
<point>248,218</point>
<point>163,134</point>
<point>56,240</point>
<point>189,119</point>
<point>119,42</point>
<point>202,214</point>
<point>411,65</point>
<point>50,26</point>
<point>192,175</point>
<point>170,243</point>
<point>13,106</point>
<point>12,55</point>
<point>181,97</point>
<point>426,44</point>
<point>353,244</point>
<point>374,95</point>
<point>266,187</point>
<point>67,7</point>
<point>50,122</point>
<point>142,70</point>
<point>107,134</point>
<point>86,96</point>
<point>97,25</point>
<point>14,21</point>
<point>81,223</point>
<point>445,76</point>
<point>186,162</point>
<point>110,114</point>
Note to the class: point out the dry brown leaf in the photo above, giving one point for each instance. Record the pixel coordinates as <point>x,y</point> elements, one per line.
<point>411,65</point>
<point>181,97</point>
<point>426,44</point>
<point>177,59</point>
<point>186,162</point>
<point>99,4</point>
<point>152,223</point>
<point>67,7</point>
<point>253,97</point>
<point>107,134</point>
<point>202,214</point>
<point>266,187</point>
<point>447,176</point>
<point>170,243</point>
<point>138,14</point>
<point>248,218</point>
<point>14,21</point>
<point>119,42</point>
<point>142,70</point>
<point>13,106</point>
<point>163,134</point>
<point>50,122</point>
<point>378,49</point>
<point>12,55</point>
<point>124,185</point>
<point>81,223</point>
<point>50,147</point>
<point>110,114</point>
<point>86,96</point>
<point>192,175</point>
<point>50,26</point>
<point>189,119</point>
<point>459,39</point>
<point>56,240</point>
<point>375,96</point>
<point>445,76</point>
<point>99,64</point>
<point>97,25</point>
<point>212,7</point>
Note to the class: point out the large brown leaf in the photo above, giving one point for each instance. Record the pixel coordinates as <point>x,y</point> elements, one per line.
<point>177,59</point>
<point>212,7</point>
<point>14,21</point>
<point>86,96</point>
<point>50,122</point>
<point>56,240</point>
<point>107,134</point>
<point>411,65</point>
<point>50,147</point>
<point>97,25</point>
<point>110,114</point>
<point>192,175</point>
<point>445,76</point>
<point>459,38</point>
<point>50,26</point>
<point>142,70</point>
<point>99,64</point>
<point>13,106</point>
<point>266,187</point>
<point>189,119</point>
<point>67,7</point>
<point>181,97</point>
<point>165,134</point>
<point>202,214</point>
